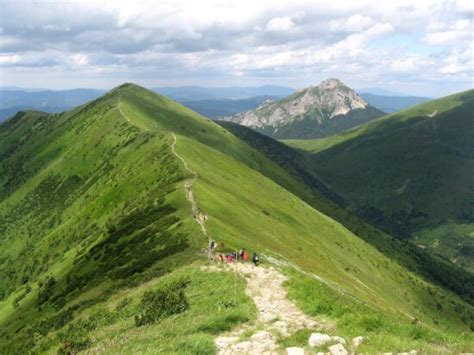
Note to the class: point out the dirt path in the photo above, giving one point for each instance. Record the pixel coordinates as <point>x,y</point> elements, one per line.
<point>276,314</point>
<point>198,216</point>
<point>121,111</point>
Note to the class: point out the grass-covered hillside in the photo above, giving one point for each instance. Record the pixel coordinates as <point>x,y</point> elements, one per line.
<point>410,173</point>
<point>99,250</point>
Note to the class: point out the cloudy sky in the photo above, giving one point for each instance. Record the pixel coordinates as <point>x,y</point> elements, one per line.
<point>418,47</point>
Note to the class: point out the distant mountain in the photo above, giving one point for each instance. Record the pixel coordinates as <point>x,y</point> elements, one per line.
<point>218,108</point>
<point>18,88</point>
<point>409,173</point>
<point>380,91</point>
<point>12,101</point>
<point>211,102</point>
<point>316,111</point>
<point>194,93</point>
<point>392,103</point>
<point>11,111</point>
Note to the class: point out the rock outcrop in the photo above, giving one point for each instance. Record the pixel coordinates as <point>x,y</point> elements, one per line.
<point>320,104</point>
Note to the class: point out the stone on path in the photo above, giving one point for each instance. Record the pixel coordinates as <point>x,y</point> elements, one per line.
<point>357,341</point>
<point>337,349</point>
<point>294,351</point>
<point>318,339</point>
<point>339,340</point>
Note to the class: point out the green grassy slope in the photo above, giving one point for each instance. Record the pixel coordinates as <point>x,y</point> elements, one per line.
<point>409,173</point>
<point>326,200</point>
<point>100,216</point>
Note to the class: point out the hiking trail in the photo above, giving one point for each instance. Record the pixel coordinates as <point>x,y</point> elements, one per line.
<point>198,216</point>
<point>276,314</point>
<point>121,111</point>
<point>432,114</point>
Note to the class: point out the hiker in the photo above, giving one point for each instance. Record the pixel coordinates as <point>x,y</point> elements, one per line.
<point>230,258</point>
<point>245,256</point>
<point>220,258</point>
<point>255,259</point>
<point>212,245</point>
<point>241,254</point>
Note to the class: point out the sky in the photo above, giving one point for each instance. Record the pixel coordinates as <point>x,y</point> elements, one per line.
<point>415,47</point>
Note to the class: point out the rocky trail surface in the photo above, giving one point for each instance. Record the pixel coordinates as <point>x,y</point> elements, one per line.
<point>277,316</point>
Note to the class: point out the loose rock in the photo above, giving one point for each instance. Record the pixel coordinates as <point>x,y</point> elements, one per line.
<point>294,351</point>
<point>339,340</point>
<point>337,349</point>
<point>318,339</point>
<point>357,341</point>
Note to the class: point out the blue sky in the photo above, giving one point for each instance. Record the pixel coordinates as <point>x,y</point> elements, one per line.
<point>417,47</point>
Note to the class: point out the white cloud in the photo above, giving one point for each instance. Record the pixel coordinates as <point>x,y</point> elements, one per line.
<point>279,24</point>
<point>450,33</point>
<point>408,65</point>
<point>354,23</point>
<point>6,59</point>
<point>79,59</point>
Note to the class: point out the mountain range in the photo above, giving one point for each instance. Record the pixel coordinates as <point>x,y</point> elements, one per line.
<point>392,104</point>
<point>106,211</point>
<point>214,103</point>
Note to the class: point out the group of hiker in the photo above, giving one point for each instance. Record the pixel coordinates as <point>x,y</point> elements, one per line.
<point>232,257</point>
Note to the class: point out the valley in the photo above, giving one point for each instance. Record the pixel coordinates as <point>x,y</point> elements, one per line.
<point>409,173</point>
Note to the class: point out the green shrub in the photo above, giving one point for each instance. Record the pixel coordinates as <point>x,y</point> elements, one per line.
<point>124,302</point>
<point>169,299</point>
<point>371,323</point>
<point>46,289</point>
<point>74,338</point>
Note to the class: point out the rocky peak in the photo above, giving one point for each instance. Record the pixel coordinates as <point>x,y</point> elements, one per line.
<point>330,84</point>
<point>337,98</point>
<point>329,99</point>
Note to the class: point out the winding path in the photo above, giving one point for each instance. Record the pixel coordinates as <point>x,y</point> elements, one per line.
<point>121,111</point>
<point>198,216</point>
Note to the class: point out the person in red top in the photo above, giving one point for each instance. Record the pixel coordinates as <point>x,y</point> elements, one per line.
<point>245,255</point>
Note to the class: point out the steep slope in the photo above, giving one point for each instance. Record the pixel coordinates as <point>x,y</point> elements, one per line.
<point>103,212</point>
<point>313,112</point>
<point>409,173</point>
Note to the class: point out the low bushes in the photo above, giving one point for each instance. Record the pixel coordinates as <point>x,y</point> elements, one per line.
<point>169,299</point>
